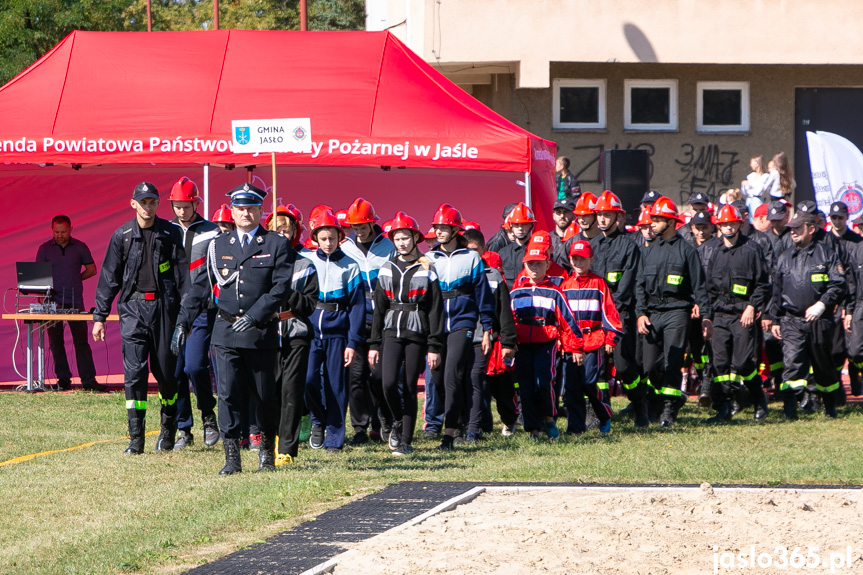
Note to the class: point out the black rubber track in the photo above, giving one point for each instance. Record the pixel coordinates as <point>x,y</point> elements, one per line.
<point>333,532</point>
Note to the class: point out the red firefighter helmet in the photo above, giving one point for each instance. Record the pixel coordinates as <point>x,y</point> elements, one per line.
<point>402,221</point>
<point>184,190</point>
<point>295,213</point>
<point>472,225</point>
<point>325,219</point>
<point>361,212</point>
<point>571,231</point>
<point>585,205</point>
<point>608,202</point>
<point>317,211</point>
<point>223,214</point>
<point>643,217</point>
<point>280,211</point>
<point>521,214</point>
<point>728,213</point>
<point>430,235</point>
<point>664,208</point>
<point>447,215</point>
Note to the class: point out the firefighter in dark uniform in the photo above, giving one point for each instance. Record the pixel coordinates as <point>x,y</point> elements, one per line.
<point>146,265</point>
<point>738,285</point>
<point>778,216</point>
<point>669,291</point>
<point>702,231</point>
<point>849,241</point>
<point>250,275</point>
<point>616,259</point>
<point>808,282</point>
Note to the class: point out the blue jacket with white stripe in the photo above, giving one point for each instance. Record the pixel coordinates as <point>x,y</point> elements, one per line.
<point>466,293</point>
<point>380,252</point>
<point>339,283</point>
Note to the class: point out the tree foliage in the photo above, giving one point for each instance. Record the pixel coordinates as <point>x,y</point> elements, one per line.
<point>29,28</point>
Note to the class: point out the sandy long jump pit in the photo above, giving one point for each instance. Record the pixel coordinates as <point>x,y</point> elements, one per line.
<point>621,530</point>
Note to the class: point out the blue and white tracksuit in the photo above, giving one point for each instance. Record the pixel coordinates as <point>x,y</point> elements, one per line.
<point>467,300</point>
<point>337,322</point>
<point>366,395</point>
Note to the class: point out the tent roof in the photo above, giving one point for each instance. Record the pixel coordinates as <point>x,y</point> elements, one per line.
<point>169,96</point>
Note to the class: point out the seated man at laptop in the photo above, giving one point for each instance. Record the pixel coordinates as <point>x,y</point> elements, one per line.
<point>71,264</point>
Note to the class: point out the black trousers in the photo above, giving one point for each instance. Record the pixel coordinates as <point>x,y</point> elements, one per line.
<point>401,393</point>
<point>665,350</point>
<point>534,368</point>
<point>581,383</point>
<point>500,386</point>
<point>808,345</point>
<point>734,357</point>
<point>477,383</point>
<point>83,354</point>
<point>146,328</point>
<point>452,377</point>
<point>247,373</point>
<point>855,351</point>
<point>292,381</point>
<point>626,361</point>
<point>365,392</point>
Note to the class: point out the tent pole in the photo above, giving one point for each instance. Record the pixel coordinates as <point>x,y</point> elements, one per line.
<point>275,199</point>
<point>527,198</point>
<point>206,189</point>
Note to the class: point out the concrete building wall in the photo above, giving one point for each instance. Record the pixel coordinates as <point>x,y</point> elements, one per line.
<point>530,34</point>
<point>683,160</point>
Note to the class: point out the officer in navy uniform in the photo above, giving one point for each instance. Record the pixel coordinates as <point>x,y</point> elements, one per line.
<point>249,276</point>
<point>145,269</point>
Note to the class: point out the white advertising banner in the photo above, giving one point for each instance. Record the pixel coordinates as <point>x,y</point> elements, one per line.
<point>836,165</point>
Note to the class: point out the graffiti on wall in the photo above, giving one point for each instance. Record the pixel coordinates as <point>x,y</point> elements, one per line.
<point>586,160</point>
<point>708,169</point>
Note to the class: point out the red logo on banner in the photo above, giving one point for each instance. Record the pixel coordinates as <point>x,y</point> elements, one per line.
<point>852,196</point>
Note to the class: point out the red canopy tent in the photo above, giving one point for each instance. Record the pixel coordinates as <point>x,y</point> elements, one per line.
<point>121,107</point>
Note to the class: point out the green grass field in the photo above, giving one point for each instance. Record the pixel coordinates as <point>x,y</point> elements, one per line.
<point>94,510</point>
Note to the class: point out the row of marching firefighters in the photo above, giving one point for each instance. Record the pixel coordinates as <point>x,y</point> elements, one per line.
<point>355,321</point>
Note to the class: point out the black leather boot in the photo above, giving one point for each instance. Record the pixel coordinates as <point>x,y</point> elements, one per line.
<point>267,453</point>
<point>830,404</point>
<point>669,412</point>
<point>233,463</point>
<point>639,408</point>
<point>723,412</point>
<point>704,399</point>
<point>789,406</point>
<point>136,437</point>
<point>168,433</point>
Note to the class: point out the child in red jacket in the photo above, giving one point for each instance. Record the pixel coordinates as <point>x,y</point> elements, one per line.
<point>541,316</point>
<point>599,323</point>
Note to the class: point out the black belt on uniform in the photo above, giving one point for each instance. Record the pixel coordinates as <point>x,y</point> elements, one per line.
<point>399,306</point>
<point>329,306</point>
<point>449,294</point>
<point>228,317</point>
<point>587,330</point>
<point>144,295</point>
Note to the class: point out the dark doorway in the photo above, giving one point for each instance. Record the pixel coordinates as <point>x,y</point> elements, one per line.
<point>836,110</point>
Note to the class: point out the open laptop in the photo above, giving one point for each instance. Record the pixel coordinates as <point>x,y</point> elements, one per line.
<point>34,278</point>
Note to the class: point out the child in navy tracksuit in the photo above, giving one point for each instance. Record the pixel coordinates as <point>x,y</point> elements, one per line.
<point>541,317</point>
<point>338,323</point>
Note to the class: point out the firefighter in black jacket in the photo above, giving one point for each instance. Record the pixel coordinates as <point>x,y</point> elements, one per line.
<point>738,288</point>
<point>808,282</point>
<point>616,259</point>
<point>670,290</point>
<point>146,265</point>
<point>249,275</point>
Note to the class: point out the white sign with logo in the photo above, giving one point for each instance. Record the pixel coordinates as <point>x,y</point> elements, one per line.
<point>277,135</point>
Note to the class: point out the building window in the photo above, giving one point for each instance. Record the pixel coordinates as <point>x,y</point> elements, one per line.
<point>650,105</point>
<point>579,104</point>
<point>723,107</point>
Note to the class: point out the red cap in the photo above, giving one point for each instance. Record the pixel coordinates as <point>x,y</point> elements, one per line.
<point>535,253</point>
<point>761,211</point>
<point>542,238</point>
<point>581,248</point>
